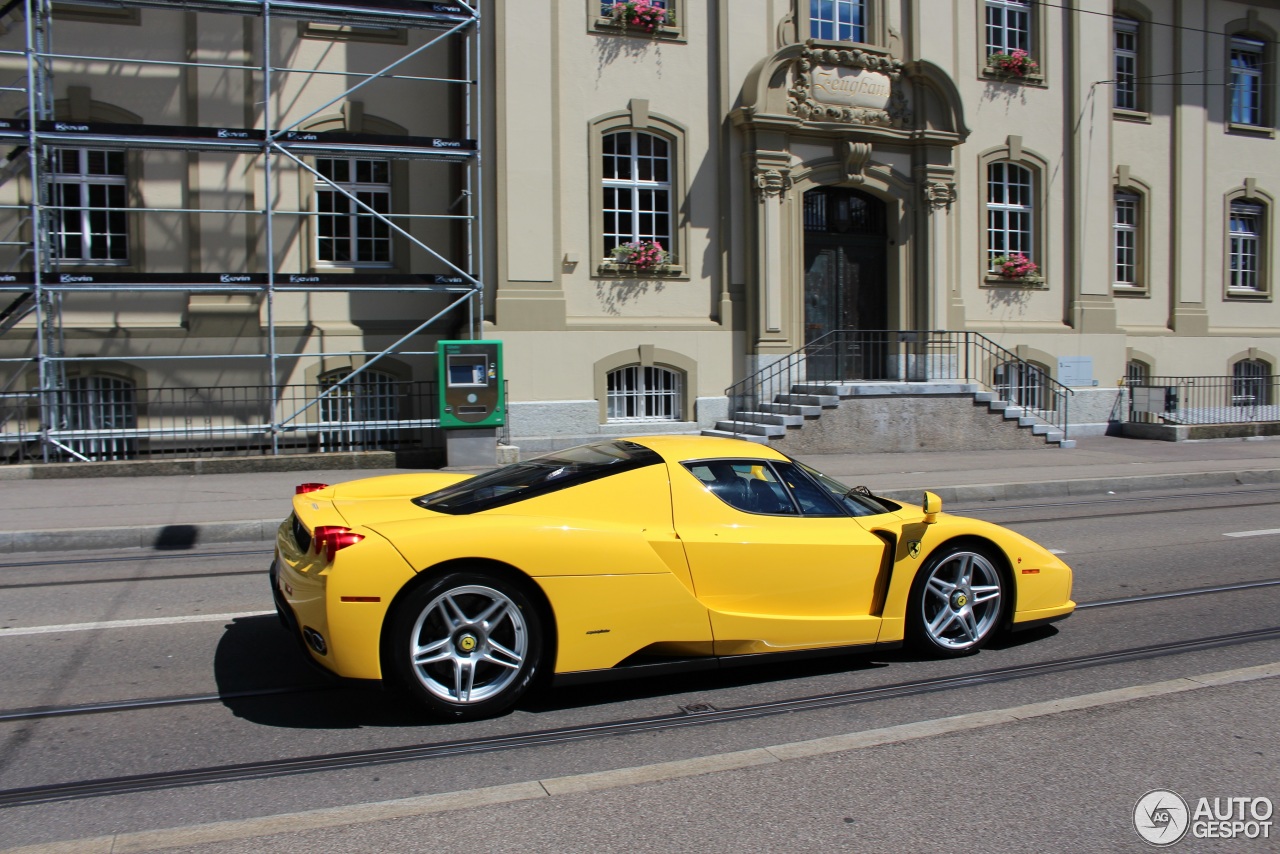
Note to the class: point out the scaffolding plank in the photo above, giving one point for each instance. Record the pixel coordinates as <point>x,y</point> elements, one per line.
<point>399,13</point>
<point>253,139</point>
<point>233,281</point>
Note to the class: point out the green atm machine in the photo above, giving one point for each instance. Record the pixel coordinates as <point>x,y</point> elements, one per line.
<point>472,402</point>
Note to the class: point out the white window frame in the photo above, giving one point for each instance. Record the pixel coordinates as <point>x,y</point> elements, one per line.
<point>839,20</point>
<point>1244,248</point>
<point>1125,45</point>
<point>84,208</point>
<point>624,194</point>
<point>1008,26</point>
<point>1248,59</point>
<point>365,232</point>
<point>644,393</point>
<point>1126,228</point>
<point>1010,224</point>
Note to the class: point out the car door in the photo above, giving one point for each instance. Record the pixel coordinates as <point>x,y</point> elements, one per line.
<point>774,559</point>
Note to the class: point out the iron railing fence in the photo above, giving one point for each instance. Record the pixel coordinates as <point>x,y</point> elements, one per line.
<point>104,421</point>
<point>848,356</point>
<point>1205,400</point>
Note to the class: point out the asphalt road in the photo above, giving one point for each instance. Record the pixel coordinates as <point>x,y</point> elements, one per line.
<point>182,633</point>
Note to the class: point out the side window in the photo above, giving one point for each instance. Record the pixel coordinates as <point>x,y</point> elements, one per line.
<point>751,487</point>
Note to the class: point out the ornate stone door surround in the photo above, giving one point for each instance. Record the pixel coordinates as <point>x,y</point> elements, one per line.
<point>819,114</point>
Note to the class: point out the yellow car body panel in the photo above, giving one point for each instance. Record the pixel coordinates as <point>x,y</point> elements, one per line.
<point>346,601</point>
<point>655,614</point>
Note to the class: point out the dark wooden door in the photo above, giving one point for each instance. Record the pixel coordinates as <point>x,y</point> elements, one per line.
<point>845,283</point>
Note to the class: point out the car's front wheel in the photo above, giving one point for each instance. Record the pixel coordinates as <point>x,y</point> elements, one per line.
<point>956,601</point>
<point>467,645</point>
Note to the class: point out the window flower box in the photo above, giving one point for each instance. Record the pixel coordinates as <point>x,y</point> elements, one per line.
<point>640,15</point>
<point>1015,64</point>
<point>1014,266</point>
<point>641,255</point>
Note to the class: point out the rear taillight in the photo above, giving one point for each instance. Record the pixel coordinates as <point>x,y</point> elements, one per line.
<point>304,488</point>
<point>327,539</point>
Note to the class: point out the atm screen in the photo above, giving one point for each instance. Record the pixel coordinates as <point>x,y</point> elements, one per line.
<point>467,370</point>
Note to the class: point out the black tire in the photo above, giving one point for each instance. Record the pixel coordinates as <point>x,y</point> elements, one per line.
<point>467,645</point>
<point>957,601</point>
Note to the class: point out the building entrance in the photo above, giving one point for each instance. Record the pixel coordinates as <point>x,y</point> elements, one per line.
<point>845,284</point>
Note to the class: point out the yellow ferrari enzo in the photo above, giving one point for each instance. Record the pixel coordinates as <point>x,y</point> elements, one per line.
<point>631,557</point>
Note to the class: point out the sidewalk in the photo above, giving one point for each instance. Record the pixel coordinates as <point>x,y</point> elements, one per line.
<point>181,511</point>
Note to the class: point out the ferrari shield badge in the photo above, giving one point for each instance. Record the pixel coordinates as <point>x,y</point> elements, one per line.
<point>913,548</point>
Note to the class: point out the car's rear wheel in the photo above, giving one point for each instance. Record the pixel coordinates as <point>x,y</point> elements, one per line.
<point>956,602</point>
<point>468,644</point>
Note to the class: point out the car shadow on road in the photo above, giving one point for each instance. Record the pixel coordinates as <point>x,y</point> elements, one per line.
<point>265,677</point>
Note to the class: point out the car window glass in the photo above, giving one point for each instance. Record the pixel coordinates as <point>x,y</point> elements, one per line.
<point>748,486</point>
<point>854,502</point>
<point>813,499</point>
<point>539,476</point>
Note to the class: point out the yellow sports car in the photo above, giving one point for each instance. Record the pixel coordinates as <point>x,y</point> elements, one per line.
<point>633,556</point>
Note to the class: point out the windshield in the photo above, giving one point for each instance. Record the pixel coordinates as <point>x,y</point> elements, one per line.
<point>856,501</point>
<point>538,476</point>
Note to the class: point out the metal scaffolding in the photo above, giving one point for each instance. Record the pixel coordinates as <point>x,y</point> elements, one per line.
<point>42,421</point>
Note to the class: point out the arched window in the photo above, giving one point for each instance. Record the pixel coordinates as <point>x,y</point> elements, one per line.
<point>644,393</point>
<point>1251,383</point>
<point>1137,372</point>
<point>355,414</point>
<point>1247,59</point>
<point>101,403</point>
<point>636,169</point>
<point>1022,384</point>
<point>1125,46</point>
<point>1127,234</point>
<point>1010,212</point>
<point>1245,247</point>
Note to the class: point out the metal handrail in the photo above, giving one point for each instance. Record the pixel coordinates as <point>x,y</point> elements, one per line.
<point>846,356</point>
<point>1205,400</point>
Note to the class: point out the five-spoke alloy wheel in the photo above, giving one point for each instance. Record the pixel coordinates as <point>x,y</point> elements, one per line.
<point>467,645</point>
<point>956,601</point>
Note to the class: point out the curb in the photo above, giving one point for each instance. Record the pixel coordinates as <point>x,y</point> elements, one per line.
<point>1088,486</point>
<point>188,536</point>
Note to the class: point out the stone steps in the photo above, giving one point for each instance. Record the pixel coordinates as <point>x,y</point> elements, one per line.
<point>806,401</point>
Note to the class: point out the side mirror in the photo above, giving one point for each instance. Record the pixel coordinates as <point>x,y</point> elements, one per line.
<point>932,506</point>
